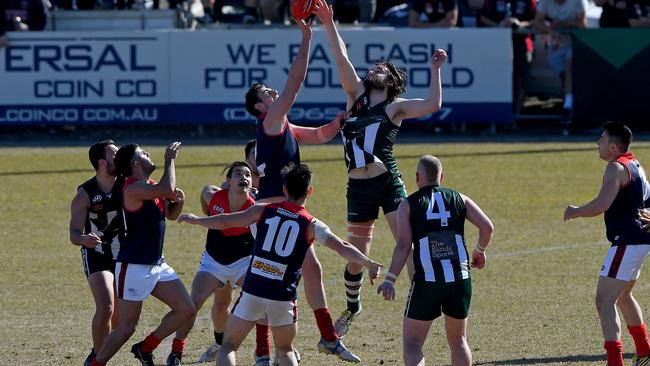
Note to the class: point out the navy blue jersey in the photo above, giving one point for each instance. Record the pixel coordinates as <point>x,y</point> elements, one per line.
<point>280,248</point>
<point>104,216</point>
<point>272,153</point>
<point>144,232</point>
<point>622,217</point>
<point>229,245</point>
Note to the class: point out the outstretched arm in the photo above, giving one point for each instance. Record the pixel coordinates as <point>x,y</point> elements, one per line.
<point>414,108</point>
<point>401,252</point>
<point>615,176</point>
<point>224,221</point>
<point>322,134</point>
<point>346,250</point>
<point>275,116</point>
<point>349,79</point>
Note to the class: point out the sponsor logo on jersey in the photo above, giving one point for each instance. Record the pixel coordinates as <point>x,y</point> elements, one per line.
<point>441,250</point>
<point>97,198</point>
<point>268,268</point>
<point>218,209</point>
<point>284,212</point>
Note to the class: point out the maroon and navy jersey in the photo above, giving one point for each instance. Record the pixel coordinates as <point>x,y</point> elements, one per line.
<point>144,231</point>
<point>622,217</point>
<point>272,153</point>
<point>280,248</point>
<point>104,216</point>
<point>229,245</point>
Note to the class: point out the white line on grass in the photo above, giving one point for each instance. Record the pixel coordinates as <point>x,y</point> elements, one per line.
<point>547,249</point>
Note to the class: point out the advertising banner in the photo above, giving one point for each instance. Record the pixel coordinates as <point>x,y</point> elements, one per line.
<point>202,77</point>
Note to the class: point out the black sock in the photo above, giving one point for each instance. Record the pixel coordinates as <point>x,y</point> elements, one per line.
<point>218,337</point>
<point>353,290</point>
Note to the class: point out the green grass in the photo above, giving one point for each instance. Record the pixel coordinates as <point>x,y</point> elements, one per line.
<point>532,304</point>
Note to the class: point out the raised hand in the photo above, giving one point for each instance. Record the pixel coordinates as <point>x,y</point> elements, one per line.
<point>172,150</point>
<point>324,12</point>
<point>438,58</point>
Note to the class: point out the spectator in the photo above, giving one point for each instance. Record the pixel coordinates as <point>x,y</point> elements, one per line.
<point>616,13</point>
<point>517,14</point>
<point>386,5</point>
<point>556,18</point>
<point>641,17</point>
<point>4,41</point>
<point>434,14</point>
<point>349,11</point>
<point>76,4</point>
<point>21,15</point>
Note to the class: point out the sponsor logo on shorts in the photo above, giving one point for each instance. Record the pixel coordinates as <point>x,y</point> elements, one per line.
<point>268,268</point>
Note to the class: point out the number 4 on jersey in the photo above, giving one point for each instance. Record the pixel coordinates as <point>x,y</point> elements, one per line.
<point>442,214</point>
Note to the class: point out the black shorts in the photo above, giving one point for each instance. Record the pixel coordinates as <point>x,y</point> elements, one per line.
<point>365,196</point>
<point>427,300</point>
<point>94,261</point>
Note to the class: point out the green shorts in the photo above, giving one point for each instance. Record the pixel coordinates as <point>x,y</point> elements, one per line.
<point>365,196</point>
<point>427,300</point>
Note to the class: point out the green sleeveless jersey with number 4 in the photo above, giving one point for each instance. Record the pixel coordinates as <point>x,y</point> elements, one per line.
<point>438,225</point>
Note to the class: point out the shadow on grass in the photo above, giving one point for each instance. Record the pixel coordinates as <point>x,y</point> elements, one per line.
<point>572,359</point>
<point>338,159</point>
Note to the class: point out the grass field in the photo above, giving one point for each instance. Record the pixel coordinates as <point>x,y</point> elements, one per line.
<point>532,304</point>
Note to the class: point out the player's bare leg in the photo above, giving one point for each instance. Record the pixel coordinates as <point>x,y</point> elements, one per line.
<point>101,286</point>
<point>237,330</point>
<point>629,306</point>
<point>414,334</point>
<point>359,235</point>
<point>457,339</point>
<point>130,314</point>
<point>283,337</point>
<point>608,291</point>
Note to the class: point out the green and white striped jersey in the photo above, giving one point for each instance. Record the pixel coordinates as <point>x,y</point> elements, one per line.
<point>438,225</point>
<point>368,135</point>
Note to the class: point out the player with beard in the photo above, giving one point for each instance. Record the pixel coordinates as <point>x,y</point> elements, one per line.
<point>141,269</point>
<point>95,226</point>
<point>278,145</point>
<point>376,113</point>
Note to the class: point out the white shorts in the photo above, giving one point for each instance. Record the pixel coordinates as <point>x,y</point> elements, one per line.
<point>225,273</point>
<point>624,262</point>
<point>136,281</point>
<point>253,308</point>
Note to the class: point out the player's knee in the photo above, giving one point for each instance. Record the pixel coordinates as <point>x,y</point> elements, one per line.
<point>104,312</point>
<point>412,347</point>
<point>228,346</point>
<point>360,231</point>
<point>221,307</point>
<point>456,340</point>
<point>186,311</point>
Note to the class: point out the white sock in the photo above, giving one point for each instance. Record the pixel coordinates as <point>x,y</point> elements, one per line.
<point>568,101</point>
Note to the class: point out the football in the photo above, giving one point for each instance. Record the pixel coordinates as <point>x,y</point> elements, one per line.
<point>301,9</point>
